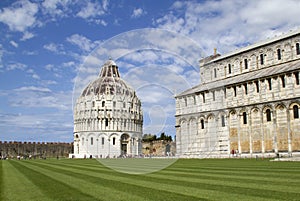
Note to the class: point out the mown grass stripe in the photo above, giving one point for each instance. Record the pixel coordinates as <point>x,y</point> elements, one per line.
<point>16,184</point>
<point>97,190</point>
<point>162,183</point>
<point>52,188</point>
<point>215,184</point>
<point>184,180</point>
<point>172,188</point>
<point>229,186</point>
<point>291,180</point>
<point>1,182</point>
<point>117,182</point>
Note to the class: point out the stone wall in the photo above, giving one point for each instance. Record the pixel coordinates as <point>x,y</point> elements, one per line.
<point>35,149</point>
<point>159,148</point>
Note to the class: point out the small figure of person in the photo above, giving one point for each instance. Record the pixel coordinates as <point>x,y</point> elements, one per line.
<point>237,152</point>
<point>232,153</point>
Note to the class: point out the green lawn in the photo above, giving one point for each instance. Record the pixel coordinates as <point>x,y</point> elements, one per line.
<point>186,179</point>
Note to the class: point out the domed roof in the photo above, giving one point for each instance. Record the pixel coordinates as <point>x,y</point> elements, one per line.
<point>108,82</point>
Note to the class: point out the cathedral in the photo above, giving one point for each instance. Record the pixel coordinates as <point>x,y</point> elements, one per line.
<point>247,103</point>
<point>108,118</point>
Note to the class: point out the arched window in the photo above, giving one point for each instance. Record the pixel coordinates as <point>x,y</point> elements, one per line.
<point>234,90</point>
<point>106,121</point>
<point>268,115</point>
<point>246,63</point>
<point>92,140</point>
<point>103,103</point>
<point>223,120</point>
<point>296,111</point>
<point>203,96</point>
<point>244,117</point>
<point>297,77</point>
<point>202,124</point>
<point>114,140</point>
<point>102,140</point>
<point>297,48</point>
<point>261,59</point>
<point>246,88</point>
<point>82,141</point>
<point>229,68</point>
<point>279,54</point>
<point>282,81</point>
<point>270,83</point>
<point>257,86</point>
<point>215,73</point>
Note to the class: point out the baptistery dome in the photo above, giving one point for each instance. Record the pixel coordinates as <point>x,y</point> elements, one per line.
<point>108,117</point>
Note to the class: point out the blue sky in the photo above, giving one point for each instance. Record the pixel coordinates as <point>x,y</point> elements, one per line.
<point>50,49</point>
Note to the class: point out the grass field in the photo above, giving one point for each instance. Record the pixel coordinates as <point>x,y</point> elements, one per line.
<point>186,179</point>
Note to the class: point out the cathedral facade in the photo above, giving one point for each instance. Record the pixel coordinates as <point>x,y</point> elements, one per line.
<point>108,117</point>
<point>247,103</point>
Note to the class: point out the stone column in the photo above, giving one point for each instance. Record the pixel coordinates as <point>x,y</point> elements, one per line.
<point>239,132</point>
<point>275,131</point>
<point>289,130</point>
<point>262,132</point>
<point>250,133</point>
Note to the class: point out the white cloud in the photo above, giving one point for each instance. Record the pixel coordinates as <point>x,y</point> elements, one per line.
<point>1,55</point>
<point>49,67</point>
<point>16,66</point>
<point>56,48</point>
<point>26,52</point>
<point>91,10</point>
<point>48,82</point>
<point>69,64</point>
<point>82,42</point>
<point>52,7</point>
<point>40,127</point>
<point>40,97</point>
<point>27,35</point>
<point>228,24</point>
<point>13,43</point>
<point>20,16</point>
<point>35,76</point>
<point>102,22</point>
<point>137,13</point>
<point>32,88</point>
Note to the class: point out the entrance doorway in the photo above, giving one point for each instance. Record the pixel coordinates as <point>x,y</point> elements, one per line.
<point>123,149</point>
<point>124,142</point>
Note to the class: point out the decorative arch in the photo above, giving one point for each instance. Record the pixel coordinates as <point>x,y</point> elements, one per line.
<point>182,120</point>
<point>211,116</point>
<point>113,135</point>
<point>254,110</point>
<point>192,118</point>
<point>280,106</point>
<point>267,107</point>
<point>90,135</point>
<point>294,110</point>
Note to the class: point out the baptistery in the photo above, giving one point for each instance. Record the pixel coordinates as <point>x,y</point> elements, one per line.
<point>108,118</point>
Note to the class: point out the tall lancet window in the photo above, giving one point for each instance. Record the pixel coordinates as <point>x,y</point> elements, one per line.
<point>296,111</point>
<point>244,117</point>
<point>279,54</point>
